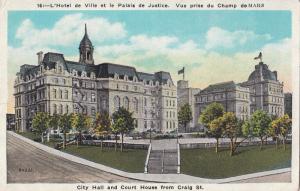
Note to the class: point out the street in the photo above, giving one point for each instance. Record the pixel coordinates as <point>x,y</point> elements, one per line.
<point>28,164</point>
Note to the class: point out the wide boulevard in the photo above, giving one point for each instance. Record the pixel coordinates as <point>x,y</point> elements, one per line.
<point>28,164</point>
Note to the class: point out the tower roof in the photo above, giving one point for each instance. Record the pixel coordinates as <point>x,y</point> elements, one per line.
<point>85,40</point>
<point>266,73</point>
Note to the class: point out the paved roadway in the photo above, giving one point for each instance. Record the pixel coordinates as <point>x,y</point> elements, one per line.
<point>43,167</point>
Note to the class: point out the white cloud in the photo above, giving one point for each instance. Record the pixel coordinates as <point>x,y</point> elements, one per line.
<point>203,67</point>
<point>154,53</point>
<point>69,29</point>
<point>219,38</point>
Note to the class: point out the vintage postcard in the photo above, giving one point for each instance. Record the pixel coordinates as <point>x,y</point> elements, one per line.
<point>149,95</point>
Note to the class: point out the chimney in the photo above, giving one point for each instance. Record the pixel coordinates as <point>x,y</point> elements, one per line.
<point>40,57</point>
<point>275,73</point>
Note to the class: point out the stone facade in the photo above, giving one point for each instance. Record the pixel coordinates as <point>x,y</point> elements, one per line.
<point>232,96</point>
<point>262,91</point>
<point>266,92</point>
<point>60,86</point>
<point>186,95</point>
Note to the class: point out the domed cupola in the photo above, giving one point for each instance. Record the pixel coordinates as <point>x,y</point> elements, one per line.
<point>262,72</point>
<point>86,49</point>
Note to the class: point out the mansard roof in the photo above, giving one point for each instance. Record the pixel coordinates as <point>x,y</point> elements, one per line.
<point>27,69</point>
<point>103,70</point>
<point>146,76</point>
<point>106,70</point>
<point>220,86</point>
<point>163,77</point>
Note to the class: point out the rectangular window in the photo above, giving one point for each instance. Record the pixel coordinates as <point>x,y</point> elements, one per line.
<point>54,93</point>
<point>93,99</point>
<point>66,94</point>
<point>93,111</point>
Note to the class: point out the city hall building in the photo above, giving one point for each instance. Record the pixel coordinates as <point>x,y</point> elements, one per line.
<point>56,85</point>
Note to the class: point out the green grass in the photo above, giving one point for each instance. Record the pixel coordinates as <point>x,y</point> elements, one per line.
<point>29,135</point>
<point>130,160</point>
<point>206,163</point>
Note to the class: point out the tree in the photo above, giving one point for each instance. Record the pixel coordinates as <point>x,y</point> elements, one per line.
<point>281,127</point>
<point>215,129</point>
<point>185,115</point>
<point>260,122</point>
<point>40,123</point>
<point>66,122</point>
<point>211,112</point>
<point>102,124</point>
<point>54,122</point>
<point>116,127</point>
<point>127,125</point>
<point>83,123</point>
<point>232,129</point>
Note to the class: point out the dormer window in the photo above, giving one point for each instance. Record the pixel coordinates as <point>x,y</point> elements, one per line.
<point>151,83</point>
<point>135,79</point>
<point>126,78</point>
<point>60,69</point>
<point>116,76</point>
<point>83,74</point>
<point>74,72</point>
<point>93,75</point>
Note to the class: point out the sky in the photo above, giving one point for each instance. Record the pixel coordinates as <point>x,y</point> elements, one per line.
<point>213,46</point>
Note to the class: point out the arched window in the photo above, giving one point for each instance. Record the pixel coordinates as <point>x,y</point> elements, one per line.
<point>135,105</point>
<point>126,103</point>
<point>116,102</point>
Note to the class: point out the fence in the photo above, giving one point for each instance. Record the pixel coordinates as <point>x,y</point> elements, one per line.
<point>112,144</point>
<point>225,144</point>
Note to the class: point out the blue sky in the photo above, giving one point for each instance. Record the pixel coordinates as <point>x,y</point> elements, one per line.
<point>213,46</point>
<point>185,25</point>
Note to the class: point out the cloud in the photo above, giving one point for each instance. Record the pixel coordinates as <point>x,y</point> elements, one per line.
<point>220,38</point>
<point>204,65</point>
<point>68,30</point>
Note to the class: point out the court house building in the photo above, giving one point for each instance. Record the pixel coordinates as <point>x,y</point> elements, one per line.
<point>56,85</point>
<point>262,91</point>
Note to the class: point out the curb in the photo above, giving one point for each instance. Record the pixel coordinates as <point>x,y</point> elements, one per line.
<point>158,178</point>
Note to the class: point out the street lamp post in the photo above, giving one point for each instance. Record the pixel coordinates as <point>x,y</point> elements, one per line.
<point>150,133</point>
<point>177,135</point>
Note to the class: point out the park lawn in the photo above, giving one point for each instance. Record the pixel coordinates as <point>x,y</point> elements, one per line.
<point>29,135</point>
<point>205,163</point>
<point>130,160</point>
